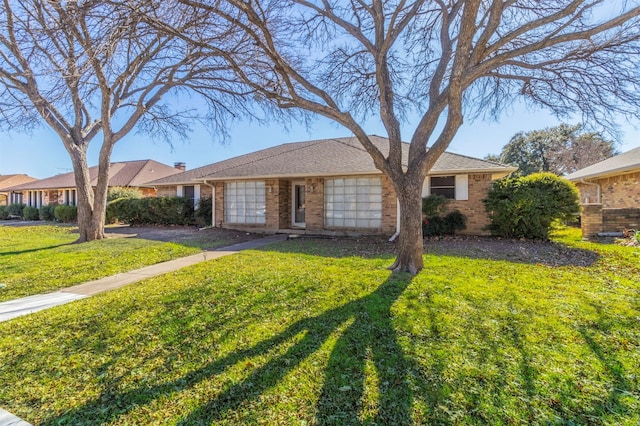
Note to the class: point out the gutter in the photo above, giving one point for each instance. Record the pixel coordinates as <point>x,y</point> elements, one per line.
<point>598,190</point>
<point>213,203</point>
<point>394,236</point>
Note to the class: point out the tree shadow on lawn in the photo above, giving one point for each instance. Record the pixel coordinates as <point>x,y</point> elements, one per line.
<point>368,333</point>
<point>33,250</point>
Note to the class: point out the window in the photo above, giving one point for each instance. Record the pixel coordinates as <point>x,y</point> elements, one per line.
<point>188,192</point>
<point>443,185</point>
<point>353,203</point>
<point>70,197</point>
<point>244,202</point>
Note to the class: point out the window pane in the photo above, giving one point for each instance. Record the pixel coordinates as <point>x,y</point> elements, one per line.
<point>443,181</point>
<point>359,207</point>
<point>244,202</point>
<point>445,192</point>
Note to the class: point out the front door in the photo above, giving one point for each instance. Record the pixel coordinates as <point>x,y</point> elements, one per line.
<point>298,205</point>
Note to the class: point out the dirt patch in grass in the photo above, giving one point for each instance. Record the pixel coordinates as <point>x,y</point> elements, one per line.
<point>513,250</point>
<point>188,235</point>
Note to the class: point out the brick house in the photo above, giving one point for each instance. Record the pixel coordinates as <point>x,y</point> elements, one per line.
<point>61,189</point>
<point>610,194</point>
<point>8,181</point>
<point>327,186</point>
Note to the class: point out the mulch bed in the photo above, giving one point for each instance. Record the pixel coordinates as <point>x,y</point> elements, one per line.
<point>512,250</point>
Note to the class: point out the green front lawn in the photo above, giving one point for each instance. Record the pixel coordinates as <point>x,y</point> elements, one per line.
<point>40,259</point>
<point>301,333</point>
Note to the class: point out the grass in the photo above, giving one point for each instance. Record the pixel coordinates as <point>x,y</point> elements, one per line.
<point>41,259</point>
<point>303,333</point>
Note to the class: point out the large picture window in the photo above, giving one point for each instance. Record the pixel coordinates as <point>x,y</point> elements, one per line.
<point>353,202</point>
<point>244,202</point>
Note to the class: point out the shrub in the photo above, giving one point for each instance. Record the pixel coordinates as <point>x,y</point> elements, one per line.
<point>15,209</point>
<point>203,212</point>
<point>66,214</point>
<point>436,222</point>
<point>525,207</point>
<point>444,225</point>
<point>117,192</point>
<point>434,205</point>
<point>4,214</point>
<point>152,211</point>
<point>30,213</point>
<point>47,212</point>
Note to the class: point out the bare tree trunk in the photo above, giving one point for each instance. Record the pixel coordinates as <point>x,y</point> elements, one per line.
<point>88,226</point>
<point>410,242</point>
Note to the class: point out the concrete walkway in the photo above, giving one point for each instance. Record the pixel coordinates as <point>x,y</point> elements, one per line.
<point>8,419</point>
<point>26,305</point>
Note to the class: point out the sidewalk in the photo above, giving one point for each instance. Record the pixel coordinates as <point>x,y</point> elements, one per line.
<point>18,307</point>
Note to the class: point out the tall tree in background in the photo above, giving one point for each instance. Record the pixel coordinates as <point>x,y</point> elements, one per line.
<point>94,70</point>
<point>439,61</point>
<point>560,150</point>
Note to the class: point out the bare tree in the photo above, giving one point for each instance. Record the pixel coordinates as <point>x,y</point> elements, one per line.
<point>95,70</point>
<point>352,60</point>
<point>561,150</point>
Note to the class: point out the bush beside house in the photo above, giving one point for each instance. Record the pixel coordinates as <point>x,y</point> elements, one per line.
<point>436,219</point>
<point>526,207</point>
<point>30,213</point>
<point>66,214</point>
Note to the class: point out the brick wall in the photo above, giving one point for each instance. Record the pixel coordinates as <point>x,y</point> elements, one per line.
<point>219,203</point>
<point>284,204</point>
<point>617,192</point>
<point>272,203</point>
<point>616,220</point>
<point>314,204</point>
<point>473,208</point>
<point>389,207</point>
<point>591,220</point>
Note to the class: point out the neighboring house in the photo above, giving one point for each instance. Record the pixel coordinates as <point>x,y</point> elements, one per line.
<point>61,189</point>
<point>327,186</point>
<point>610,194</point>
<point>6,182</point>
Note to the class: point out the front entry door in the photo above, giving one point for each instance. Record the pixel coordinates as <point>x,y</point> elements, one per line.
<point>298,205</point>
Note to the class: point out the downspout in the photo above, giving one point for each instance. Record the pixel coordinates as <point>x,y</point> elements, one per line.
<point>597,185</point>
<point>394,236</point>
<point>213,203</point>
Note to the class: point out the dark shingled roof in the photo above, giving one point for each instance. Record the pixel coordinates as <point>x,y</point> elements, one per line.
<point>126,173</point>
<point>622,163</point>
<point>323,157</point>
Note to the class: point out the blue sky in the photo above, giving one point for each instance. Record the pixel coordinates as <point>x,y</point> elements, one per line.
<point>41,154</point>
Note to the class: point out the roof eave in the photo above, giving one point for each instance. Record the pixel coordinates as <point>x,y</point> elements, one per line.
<point>601,175</point>
<point>501,170</point>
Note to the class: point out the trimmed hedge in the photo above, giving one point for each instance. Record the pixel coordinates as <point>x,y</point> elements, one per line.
<point>203,212</point>
<point>159,211</point>
<point>4,214</point>
<point>66,214</point>
<point>30,213</point>
<point>15,209</point>
<point>525,207</point>
<point>117,192</point>
<point>47,212</point>
<point>152,211</point>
